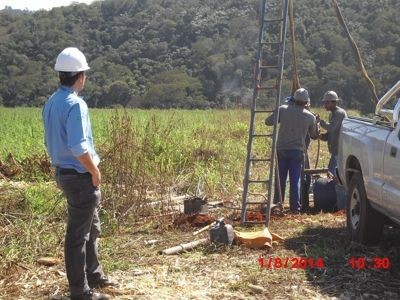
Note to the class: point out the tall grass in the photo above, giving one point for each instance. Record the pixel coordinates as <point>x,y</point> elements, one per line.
<point>146,155</point>
<point>31,222</point>
<point>21,132</point>
<point>170,153</point>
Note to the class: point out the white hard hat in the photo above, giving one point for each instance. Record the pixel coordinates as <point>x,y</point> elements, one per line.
<point>330,96</point>
<point>71,60</point>
<point>301,95</point>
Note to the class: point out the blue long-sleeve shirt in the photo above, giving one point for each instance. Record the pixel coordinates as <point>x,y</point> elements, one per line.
<point>68,132</point>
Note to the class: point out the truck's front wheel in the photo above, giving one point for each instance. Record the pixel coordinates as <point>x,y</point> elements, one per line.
<point>364,223</point>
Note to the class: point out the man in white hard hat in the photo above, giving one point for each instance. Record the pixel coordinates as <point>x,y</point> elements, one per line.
<point>332,127</point>
<point>295,123</point>
<point>69,142</point>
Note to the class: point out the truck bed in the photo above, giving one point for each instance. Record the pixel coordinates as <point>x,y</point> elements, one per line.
<point>364,140</point>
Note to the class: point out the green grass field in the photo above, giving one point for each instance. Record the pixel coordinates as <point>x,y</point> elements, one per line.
<point>22,129</point>
<point>162,151</point>
<point>188,149</point>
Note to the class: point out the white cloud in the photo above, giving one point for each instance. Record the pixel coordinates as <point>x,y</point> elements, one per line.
<point>38,4</point>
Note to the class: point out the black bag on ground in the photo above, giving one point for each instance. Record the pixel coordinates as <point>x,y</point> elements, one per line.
<point>324,192</point>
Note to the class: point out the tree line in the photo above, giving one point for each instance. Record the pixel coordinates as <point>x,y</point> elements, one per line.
<point>192,53</point>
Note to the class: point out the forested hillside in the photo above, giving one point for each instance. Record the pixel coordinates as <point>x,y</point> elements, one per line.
<point>192,53</point>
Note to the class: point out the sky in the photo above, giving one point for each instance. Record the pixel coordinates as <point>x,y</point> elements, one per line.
<point>38,4</point>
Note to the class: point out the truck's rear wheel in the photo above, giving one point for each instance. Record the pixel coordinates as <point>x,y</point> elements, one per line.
<point>364,223</point>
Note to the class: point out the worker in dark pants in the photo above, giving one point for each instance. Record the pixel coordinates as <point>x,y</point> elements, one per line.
<point>295,123</point>
<point>332,128</point>
<point>69,142</point>
<point>305,178</point>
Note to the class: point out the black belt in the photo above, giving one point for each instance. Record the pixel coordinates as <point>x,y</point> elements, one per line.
<point>64,171</point>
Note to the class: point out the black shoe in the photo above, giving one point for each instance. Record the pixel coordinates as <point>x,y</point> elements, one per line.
<point>90,296</point>
<point>102,282</point>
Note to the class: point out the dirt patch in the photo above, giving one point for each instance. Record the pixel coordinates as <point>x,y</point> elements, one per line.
<point>196,220</point>
<point>255,216</point>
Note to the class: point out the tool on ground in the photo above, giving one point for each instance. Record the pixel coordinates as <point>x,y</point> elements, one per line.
<point>205,227</point>
<point>221,233</point>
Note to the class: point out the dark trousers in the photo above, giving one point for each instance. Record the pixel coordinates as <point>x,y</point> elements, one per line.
<point>83,229</point>
<point>305,184</point>
<point>290,161</point>
<point>332,164</point>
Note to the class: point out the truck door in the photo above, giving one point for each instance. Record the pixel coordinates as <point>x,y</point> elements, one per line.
<point>391,171</point>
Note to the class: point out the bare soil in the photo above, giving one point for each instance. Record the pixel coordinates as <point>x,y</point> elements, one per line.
<point>218,272</point>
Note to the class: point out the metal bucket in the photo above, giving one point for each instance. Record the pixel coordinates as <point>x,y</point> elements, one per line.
<point>195,205</point>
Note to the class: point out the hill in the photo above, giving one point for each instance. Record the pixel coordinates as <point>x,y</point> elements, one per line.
<point>191,53</point>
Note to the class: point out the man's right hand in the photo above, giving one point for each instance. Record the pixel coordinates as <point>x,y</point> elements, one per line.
<point>96,178</point>
<point>87,162</point>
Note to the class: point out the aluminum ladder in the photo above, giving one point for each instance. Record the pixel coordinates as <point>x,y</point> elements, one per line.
<point>261,146</point>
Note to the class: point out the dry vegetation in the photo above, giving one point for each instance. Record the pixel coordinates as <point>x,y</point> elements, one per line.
<point>147,161</point>
<point>211,272</point>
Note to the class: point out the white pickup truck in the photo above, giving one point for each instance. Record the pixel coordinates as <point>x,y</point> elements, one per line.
<point>369,168</point>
